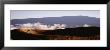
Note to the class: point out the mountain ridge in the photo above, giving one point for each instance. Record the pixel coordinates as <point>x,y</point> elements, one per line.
<point>71,21</point>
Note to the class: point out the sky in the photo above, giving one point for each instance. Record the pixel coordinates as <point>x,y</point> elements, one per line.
<point>23,14</point>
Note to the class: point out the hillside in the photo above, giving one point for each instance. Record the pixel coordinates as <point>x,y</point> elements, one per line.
<point>79,33</point>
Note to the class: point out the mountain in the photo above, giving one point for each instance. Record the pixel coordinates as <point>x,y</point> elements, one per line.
<point>71,21</point>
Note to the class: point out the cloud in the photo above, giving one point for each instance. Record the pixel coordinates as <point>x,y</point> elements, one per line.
<point>13,27</point>
<point>39,26</point>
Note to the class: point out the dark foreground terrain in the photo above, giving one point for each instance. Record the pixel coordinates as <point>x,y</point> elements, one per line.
<point>79,33</point>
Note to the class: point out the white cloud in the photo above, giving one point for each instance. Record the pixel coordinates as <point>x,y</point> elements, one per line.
<point>13,27</point>
<point>39,26</point>
<point>86,25</point>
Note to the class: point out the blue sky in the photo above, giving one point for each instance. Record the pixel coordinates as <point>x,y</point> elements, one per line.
<point>22,14</point>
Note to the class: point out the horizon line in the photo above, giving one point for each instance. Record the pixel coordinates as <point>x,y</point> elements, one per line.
<point>53,17</point>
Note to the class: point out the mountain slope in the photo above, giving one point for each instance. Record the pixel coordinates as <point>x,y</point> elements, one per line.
<point>71,21</point>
